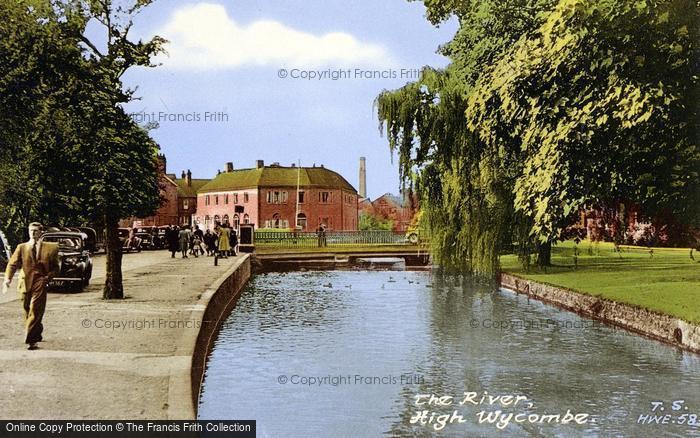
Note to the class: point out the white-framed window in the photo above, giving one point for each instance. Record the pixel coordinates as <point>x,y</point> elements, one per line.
<point>277,197</point>
<point>246,219</point>
<point>186,204</point>
<point>324,197</point>
<point>236,221</point>
<point>226,198</point>
<point>301,221</point>
<point>235,198</point>
<point>245,197</point>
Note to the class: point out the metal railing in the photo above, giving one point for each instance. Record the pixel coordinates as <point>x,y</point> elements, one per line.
<point>329,238</point>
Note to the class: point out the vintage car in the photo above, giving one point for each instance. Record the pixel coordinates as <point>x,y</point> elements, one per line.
<point>130,241</point>
<point>75,261</point>
<point>149,237</point>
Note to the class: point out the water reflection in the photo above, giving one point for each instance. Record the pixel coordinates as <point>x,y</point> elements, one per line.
<point>456,336</point>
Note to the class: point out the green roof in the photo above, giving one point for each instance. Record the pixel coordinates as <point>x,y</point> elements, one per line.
<point>190,191</point>
<point>275,176</point>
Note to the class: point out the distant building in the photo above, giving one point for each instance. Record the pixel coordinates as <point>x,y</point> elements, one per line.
<point>267,197</point>
<point>179,199</point>
<point>187,197</point>
<point>399,211</point>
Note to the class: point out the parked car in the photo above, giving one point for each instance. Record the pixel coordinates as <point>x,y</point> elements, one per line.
<point>162,233</point>
<point>130,241</point>
<point>149,237</point>
<point>5,251</point>
<point>95,240</point>
<point>75,261</point>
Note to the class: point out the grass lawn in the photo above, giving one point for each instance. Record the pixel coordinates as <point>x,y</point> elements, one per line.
<point>668,282</point>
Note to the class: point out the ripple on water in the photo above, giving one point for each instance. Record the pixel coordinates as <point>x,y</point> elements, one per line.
<point>379,324</point>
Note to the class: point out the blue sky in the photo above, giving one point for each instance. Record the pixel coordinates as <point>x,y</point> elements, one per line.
<point>225,57</point>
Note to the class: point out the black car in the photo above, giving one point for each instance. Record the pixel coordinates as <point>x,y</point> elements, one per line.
<point>75,261</point>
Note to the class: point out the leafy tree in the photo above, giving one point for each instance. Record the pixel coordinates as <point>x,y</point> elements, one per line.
<point>74,154</point>
<point>548,106</point>
<point>371,222</point>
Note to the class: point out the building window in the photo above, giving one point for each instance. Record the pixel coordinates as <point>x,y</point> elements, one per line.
<point>236,221</point>
<point>185,204</point>
<point>216,199</point>
<point>246,218</point>
<point>226,198</point>
<point>324,197</point>
<point>275,197</point>
<point>301,197</point>
<point>207,200</point>
<point>217,220</point>
<point>301,221</point>
<point>245,197</point>
<point>235,198</point>
<point>276,221</point>
<point>225,218</point>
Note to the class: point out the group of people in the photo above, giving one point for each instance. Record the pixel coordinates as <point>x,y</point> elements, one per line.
<point>188,240</point>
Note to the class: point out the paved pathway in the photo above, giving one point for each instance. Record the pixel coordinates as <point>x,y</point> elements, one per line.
<point>87,369</point>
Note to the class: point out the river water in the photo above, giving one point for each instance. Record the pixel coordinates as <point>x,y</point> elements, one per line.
<point>358,353</point>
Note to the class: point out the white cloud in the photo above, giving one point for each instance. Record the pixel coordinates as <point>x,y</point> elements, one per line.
<point>204,37</point>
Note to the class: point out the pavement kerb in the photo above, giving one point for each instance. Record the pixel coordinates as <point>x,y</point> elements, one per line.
<point>211,308</point>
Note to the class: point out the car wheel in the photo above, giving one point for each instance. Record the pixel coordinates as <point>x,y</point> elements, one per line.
<point>413,238</point>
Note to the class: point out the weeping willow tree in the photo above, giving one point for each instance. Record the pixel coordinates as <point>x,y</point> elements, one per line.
<point>463,183</point>
<point>549,106</point>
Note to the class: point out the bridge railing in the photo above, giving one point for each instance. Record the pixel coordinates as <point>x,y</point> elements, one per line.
<point>332,238</point>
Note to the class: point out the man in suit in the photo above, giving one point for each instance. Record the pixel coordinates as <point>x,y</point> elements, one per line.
<point>38,262</point>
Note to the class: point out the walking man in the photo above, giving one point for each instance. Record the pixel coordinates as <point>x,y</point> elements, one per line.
<point>38,262</point>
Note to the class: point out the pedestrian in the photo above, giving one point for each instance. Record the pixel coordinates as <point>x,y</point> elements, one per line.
<point>184,237</point>
<point>197,247</point>
<point>319,234</point>
<point>210,242</point>
<point>224,240</point>
<point>234,241</point>
<point>39,263</point>
<point>173,240</point>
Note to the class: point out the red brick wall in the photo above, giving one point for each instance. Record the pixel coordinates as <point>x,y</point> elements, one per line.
<point>339,213</point>
<point>167,214</point>
<point>222,208</point>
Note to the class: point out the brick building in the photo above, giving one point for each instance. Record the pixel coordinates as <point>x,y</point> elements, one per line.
<point>179,199</point>
<point>267,197</point>
<point>391,207</point>
<point>187,197</point>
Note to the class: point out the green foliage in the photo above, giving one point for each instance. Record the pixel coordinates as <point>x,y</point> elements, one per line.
<point>370,222</point>
<point>70,152</point>
<point>549,106</point>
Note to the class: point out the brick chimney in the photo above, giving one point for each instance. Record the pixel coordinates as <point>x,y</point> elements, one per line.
<point>229,167</point>
<point>188,178</point>
<point>162,164</point>
<point>260,164</point>
<point>363,177</point>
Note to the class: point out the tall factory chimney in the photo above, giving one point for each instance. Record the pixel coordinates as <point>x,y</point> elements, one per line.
<point>363,178</point>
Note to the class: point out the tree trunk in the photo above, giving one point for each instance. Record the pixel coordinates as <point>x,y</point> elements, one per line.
<point>114,289</point>
<point>544,254</point>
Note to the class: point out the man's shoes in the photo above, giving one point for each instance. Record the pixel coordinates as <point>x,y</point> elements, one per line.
<point>33,346</point>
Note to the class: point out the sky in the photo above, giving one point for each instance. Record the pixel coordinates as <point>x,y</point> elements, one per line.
<point>249,80</point>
